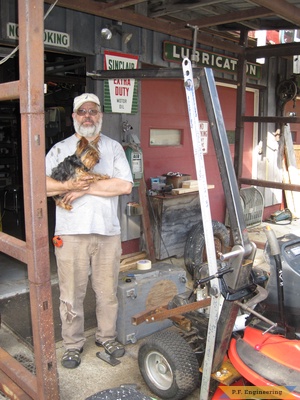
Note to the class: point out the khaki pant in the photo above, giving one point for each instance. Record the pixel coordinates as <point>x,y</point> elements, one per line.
<point>82,257</point>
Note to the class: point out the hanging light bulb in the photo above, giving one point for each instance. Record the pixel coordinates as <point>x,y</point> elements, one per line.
<point>106,33</point>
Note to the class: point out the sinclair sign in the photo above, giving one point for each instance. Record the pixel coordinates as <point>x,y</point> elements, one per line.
<point>174,52</point>
<point>120,95</point>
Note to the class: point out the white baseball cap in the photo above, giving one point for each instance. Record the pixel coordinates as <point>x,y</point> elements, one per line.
<point>84,98</point>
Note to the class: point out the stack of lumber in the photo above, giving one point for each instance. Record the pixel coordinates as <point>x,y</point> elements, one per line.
<point>190,184</point>
<point>129,261</point>
<point>188,187</point>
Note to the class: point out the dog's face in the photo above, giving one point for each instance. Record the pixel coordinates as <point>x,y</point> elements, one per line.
<point>88,152</point>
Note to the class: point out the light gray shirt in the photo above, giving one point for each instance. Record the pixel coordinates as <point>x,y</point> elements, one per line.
<point>91,214</point>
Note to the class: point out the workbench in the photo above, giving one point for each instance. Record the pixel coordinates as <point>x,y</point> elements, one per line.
<point>172,217</point>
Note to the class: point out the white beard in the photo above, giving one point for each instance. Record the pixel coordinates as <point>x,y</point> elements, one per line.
<point>87,131</point>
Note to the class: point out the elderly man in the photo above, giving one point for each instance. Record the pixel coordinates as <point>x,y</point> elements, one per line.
<point>89,233</point>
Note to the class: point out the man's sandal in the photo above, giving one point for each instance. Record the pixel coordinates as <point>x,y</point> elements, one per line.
<point>71,358</point>
<point>112,347</point>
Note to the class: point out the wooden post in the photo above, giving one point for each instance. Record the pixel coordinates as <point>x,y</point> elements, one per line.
<point>292,169</point>
<point>146,221</point>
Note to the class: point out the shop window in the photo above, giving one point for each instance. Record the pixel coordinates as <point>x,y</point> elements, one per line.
<point>165,137</point>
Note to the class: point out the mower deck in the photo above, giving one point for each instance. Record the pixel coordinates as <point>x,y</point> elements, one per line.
<point>265,359</point>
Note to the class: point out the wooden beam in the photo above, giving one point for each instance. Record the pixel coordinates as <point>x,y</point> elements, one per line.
<point>169,8</point>
<point>269,184</point>
<point>238,16</point>
<point>283,8</point>
<point>31,62</point>
<point>18,374</point>
<point>292,169</point>
<point>14,247</point>
<point>277,50</point>
<point>9,91</point>
<point>7,387</point>
<point>240,108</point>
<point>147,230</point>
<point>270,119</point>
<point>117,4</point>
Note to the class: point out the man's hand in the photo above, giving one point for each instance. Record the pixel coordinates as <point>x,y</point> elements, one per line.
<point>55,187</point>
<point>82,183</point>
<point>71,196</point>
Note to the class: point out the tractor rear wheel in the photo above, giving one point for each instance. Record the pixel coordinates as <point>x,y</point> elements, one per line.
<point>195,250</point>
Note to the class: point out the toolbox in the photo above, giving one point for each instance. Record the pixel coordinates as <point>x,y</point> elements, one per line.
<point>141,290</point>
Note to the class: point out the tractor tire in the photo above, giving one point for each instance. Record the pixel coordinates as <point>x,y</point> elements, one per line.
<point>194,252</point>
<point>121,392</point>
<point>168,365</point>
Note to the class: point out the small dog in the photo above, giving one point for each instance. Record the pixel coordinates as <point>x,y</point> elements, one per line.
<point>78,165</point>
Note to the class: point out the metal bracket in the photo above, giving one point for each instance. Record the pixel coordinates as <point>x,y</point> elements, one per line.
<point>131,293</point>
<point>131,337</point>
<point>107,358</point>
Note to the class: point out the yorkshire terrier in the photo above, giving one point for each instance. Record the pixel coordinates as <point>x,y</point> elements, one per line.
<point>78,165</point>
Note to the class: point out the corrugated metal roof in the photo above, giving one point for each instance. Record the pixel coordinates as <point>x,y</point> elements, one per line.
<point>219,22</point>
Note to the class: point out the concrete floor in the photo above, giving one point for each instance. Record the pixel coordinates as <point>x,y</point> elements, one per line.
<point>94,375</point>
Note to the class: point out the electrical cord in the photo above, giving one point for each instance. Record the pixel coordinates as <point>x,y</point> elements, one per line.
<point>17,48</point>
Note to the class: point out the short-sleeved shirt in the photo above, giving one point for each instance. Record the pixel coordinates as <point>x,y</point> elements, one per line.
<point>91,214</point>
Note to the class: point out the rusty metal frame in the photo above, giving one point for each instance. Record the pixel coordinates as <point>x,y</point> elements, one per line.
<point>15,380</point>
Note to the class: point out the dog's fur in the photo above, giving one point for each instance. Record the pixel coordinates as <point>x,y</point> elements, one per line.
<point>78,165</point>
